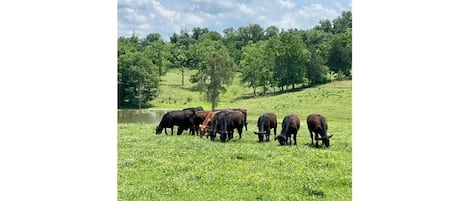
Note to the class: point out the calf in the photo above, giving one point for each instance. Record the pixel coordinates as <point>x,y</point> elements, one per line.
<point>317,124</point>
<point>181,118</point>
<point>266,122</point>
<point>290,125</point>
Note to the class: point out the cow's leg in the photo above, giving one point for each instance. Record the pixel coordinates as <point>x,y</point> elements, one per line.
<point>267,135</point>
<point>316,136</point>
<point>172,130</point>
<point>312,137</point>
<point>294,137</point>
<point>240,131</point>
<point>212,136</point>
<point>191,131</point>
<point>180,130</point>
<point>275,132</point>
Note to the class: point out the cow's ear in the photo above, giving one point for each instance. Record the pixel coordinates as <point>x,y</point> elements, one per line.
<point>330,136</point>
<point>256,133</point>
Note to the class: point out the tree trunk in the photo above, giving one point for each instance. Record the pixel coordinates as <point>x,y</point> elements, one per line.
<point>293,86</point>
<point>182,75</point>
<point>254,90</point>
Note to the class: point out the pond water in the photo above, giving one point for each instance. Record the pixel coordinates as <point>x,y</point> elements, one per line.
<point>143,116</point>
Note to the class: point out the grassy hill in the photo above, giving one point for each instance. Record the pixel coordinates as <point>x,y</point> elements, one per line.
<point>165,167</point>
<point>332,100</point>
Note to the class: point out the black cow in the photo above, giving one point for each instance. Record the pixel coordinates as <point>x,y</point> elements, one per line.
<point>290,125</point>
<point>266,122</point>
<point>196,120</point>
<point>244,111</point>
<point>181,118</point>
<point>224,122</point>
<point>317,124</point>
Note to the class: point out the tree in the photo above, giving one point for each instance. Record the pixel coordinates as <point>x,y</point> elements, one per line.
<point>158,53</point>
<point>316,71</point>
<point>255,66</point>
<point>270,32</point>
<point>232,40</point>
<point>325,25</point>
<point>151,38</point>
<point>343,22</point>
<point>180,50</point>
<point>215,69</point>
<point>137,80</point>
<point>293,56</point>
<point>339,57</point>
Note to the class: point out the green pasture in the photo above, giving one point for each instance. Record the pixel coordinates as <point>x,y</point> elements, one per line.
<point>165,167</point>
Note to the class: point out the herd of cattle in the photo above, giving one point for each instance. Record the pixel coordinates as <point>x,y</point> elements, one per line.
<point>224,121</point>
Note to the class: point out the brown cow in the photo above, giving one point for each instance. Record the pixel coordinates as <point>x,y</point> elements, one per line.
<point>290,125</point>
<point>317,124</point>
<point>206,123</point>
<point>199,119</point>
<point>266,122</point>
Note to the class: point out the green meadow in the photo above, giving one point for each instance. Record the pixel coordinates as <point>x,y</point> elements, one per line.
<point>166,167</point>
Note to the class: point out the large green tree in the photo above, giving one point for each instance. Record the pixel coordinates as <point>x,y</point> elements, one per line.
<point>158,52</point>
<point>339,58</point>
<point>292,59</point>
<point>256,66</point>
<point>215,69</point>
<point>137,80</point>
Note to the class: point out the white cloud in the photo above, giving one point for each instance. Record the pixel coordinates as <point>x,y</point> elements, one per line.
<point>164,12</point>
<point>317,11</point>
<point>244,9</point>
<point>285,4</point>
<point>169,16</point>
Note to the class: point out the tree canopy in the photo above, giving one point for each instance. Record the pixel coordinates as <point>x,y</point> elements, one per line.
<point>266,58</point>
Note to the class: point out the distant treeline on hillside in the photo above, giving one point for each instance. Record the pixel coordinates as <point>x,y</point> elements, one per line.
<point>265,58</point>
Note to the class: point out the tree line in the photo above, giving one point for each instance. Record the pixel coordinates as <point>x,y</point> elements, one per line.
<point>265,58</point>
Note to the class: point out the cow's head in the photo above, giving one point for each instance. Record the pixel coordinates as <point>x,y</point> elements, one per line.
<point>281,139</point>
<point>260,135</point>
<point>158,129</point>
<point>202,130</point>
<point>326,141</point>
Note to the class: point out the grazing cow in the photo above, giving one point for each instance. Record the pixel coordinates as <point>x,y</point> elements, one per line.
<point>266,122</point>
<point>244,111</point>
<point>224,122</point>
<point>181,118</point>
<point>206,124</point>
<point>195,130</point>
<point>290,125</point>
<point>317,124</point>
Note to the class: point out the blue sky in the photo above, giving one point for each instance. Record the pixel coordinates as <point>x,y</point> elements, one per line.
<point>169,16</point>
